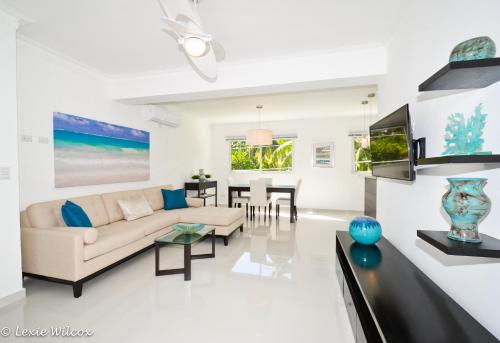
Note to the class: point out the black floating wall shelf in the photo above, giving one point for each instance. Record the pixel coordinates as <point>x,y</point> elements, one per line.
<point>489,247</point>
<point>454,159</point>
<point>464,75</point>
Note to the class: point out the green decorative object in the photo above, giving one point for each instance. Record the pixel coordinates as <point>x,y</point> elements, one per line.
<point>195,177</point>
<point>466,204</point>
<point>465,137</point>
<point>474,49</point>
<point>188,229</point>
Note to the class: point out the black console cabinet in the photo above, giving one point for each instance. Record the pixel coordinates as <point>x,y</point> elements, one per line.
<point>389,299</point>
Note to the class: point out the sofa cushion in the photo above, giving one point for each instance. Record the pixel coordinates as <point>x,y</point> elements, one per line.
<point>89,234</point>
<point>135,208</point>
<point>111,202</point>
<point>155,197</point>
<point>221,216</point>
<point>195,202</point>
<point>48,214</point>
<point>111,237</point>
<point>160,220</point>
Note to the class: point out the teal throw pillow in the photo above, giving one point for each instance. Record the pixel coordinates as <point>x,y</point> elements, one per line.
<point>74,215</point>
<point>174,199</point>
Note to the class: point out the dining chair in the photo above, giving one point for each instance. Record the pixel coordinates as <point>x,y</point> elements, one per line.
<point>259,197</point>
<point>269,182</point>
<point>238,200</point>
<point>286,201</point>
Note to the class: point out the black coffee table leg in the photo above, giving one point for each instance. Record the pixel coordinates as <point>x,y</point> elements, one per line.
<point>213,243</point>
<point>157,259</point>
<point>187,262</point>
<point>158,271</point>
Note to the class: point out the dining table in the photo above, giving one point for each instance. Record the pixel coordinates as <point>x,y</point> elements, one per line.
<point>287,189</point>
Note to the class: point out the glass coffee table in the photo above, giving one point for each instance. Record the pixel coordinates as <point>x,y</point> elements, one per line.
<point>187,240</point>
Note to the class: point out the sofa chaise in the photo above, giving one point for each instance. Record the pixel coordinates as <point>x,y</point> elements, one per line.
<point>54,252</point>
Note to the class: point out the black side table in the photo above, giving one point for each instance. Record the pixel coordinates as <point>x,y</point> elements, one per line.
<point>201,187</point>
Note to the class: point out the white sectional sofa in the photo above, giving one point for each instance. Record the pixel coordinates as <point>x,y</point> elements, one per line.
<point>53,252</point>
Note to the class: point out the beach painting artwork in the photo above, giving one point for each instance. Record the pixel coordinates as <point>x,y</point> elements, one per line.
<point>89,152</point>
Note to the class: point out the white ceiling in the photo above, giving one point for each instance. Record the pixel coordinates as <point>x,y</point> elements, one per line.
<point>119,37</point>
<point>338,102</point>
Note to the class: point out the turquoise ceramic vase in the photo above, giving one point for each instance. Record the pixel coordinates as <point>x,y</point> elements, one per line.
<point>474,49</point>
<point>467,205</point>
<point>365,230</point>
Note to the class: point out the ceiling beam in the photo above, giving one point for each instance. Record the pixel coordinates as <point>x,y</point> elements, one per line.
<point>356,67</point>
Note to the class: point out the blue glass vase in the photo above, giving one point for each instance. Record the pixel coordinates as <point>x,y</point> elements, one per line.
<point>467,205</point>
<point>365,230</point>
<point>474,49</point>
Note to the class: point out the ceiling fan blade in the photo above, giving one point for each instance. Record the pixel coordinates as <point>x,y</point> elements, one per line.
<point>167,11</point>
<point>219,51</point>
<point>177,9</point>
<point>188,10</point>
<point>175,26</point>
<point>205,65</point>
<point>172,33</point>
<point>193,25</point>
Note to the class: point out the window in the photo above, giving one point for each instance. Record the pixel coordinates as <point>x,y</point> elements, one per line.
<point>362,156</point>
<point>275,157</point>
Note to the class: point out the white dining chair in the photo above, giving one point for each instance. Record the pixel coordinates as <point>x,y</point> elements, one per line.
<point>238,200</point>
<point>269,182</point>
<point>286,201</point>
<point>259,197</point>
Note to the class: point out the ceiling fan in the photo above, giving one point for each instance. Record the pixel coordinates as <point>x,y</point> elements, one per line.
<point>183,22</point>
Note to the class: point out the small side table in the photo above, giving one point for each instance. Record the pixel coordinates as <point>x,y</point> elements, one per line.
<point>201,187</point>
<point>187,241</point>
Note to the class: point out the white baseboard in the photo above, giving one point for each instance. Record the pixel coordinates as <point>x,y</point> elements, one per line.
<point>12,298</point>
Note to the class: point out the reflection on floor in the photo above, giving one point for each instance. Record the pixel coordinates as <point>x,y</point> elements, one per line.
<point>275,282</point>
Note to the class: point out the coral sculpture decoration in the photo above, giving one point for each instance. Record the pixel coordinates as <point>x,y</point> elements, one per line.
<point>465,138</point>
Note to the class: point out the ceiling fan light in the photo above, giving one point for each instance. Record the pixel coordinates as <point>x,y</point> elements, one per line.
<point>259,137</point>
<point>195,46</point>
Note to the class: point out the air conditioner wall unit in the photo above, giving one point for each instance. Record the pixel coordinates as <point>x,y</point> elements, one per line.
<point>160,116</point>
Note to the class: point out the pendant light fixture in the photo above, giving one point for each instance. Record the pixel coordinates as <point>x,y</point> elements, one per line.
<point>259,136</point>
<point>365,138</point>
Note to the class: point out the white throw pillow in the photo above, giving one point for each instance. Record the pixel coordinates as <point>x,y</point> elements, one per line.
<point>135,208</point>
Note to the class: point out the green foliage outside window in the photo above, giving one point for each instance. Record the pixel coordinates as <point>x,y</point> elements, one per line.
<point>390,145</point>
<point>362,157</point>
<point>275,157</point>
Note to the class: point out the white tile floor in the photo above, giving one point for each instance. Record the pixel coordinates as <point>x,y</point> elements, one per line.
<point>275,282</point>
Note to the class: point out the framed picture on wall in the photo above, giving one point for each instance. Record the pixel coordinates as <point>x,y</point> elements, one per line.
<point>323,155</point>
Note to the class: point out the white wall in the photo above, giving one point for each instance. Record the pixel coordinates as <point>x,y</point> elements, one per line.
<point>421,47</point>
<point>47,83</point>
<point>322,188</point>
<point>10,245</point>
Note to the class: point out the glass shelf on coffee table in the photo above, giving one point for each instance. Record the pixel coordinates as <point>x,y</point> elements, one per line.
<point>187,240</point>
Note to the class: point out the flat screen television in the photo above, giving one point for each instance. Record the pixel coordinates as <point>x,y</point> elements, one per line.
<point>391,144</point>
